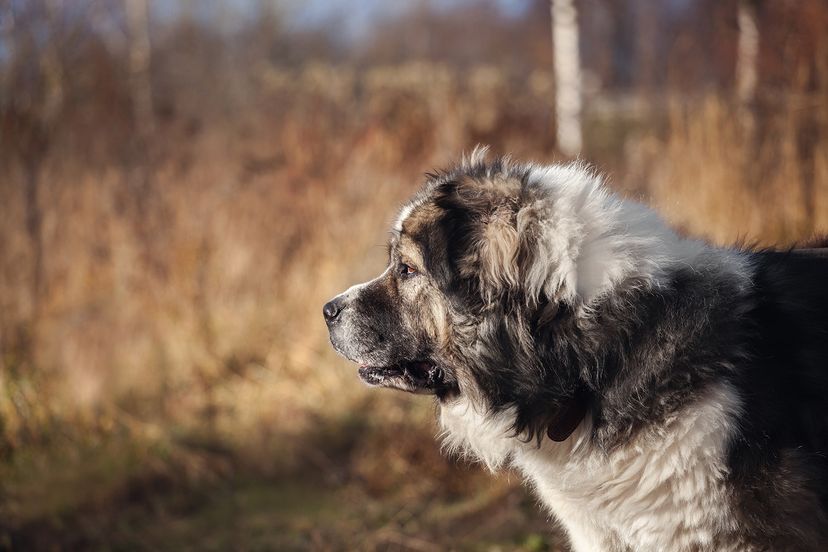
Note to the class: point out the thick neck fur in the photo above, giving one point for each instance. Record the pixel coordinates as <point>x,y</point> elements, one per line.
<point>633,332</point>
<point>645,341</point>
<point>620,281</point>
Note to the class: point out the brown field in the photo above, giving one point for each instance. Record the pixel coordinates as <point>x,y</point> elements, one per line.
<point>166,377</point>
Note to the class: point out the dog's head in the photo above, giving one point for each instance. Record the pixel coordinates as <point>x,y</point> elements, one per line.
<point>486,264</point>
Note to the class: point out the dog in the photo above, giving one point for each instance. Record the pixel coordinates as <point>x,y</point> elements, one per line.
<point>657,392</point>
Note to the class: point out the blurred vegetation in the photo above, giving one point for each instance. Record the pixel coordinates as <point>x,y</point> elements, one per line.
<point>179,198</point>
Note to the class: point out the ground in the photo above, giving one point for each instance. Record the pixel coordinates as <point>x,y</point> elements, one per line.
<point>352,484</point>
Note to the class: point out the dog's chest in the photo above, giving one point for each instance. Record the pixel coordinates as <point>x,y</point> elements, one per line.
<point>668,499</point>
<point>665,490</point>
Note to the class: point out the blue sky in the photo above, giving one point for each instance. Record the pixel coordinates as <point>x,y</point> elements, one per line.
<point>357,16</point>
<point>351,17</point>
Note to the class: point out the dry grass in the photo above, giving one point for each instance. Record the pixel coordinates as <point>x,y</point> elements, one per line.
<point>175,346</point>
<point>730,185</point>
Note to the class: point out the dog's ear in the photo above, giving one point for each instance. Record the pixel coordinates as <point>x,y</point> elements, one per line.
<point>514,253</point>
<point>493,244</point>
<point>497,252</point>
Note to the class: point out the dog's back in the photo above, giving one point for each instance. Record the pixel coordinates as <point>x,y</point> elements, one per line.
<point>779,461</point>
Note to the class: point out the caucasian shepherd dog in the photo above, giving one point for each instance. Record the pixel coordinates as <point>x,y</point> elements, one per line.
<point>657,392</point>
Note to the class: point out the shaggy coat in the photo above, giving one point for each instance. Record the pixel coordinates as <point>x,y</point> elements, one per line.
<point>657,392</point>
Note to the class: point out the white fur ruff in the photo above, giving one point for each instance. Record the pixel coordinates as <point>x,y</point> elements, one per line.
<point>662,491</point>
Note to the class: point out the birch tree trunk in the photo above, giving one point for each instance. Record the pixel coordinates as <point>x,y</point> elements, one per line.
<point>747,57</point>
<point>567,76</point>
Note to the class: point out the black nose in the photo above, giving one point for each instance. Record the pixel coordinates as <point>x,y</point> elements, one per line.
<point>331,310</point>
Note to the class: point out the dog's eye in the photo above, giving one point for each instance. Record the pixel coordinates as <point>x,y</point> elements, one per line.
<point>406,270</point>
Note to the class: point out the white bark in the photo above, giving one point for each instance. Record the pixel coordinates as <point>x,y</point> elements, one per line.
<point>747,53</point>
<point>567,76</point>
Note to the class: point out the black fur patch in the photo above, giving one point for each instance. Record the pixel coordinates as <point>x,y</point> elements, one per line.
<point>642,353</point>
<point>779,462</point>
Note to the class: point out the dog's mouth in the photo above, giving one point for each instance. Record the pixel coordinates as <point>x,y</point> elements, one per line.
<point>420,376</point>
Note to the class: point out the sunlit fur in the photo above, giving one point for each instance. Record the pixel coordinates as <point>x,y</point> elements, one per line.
<point>705,369</point>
